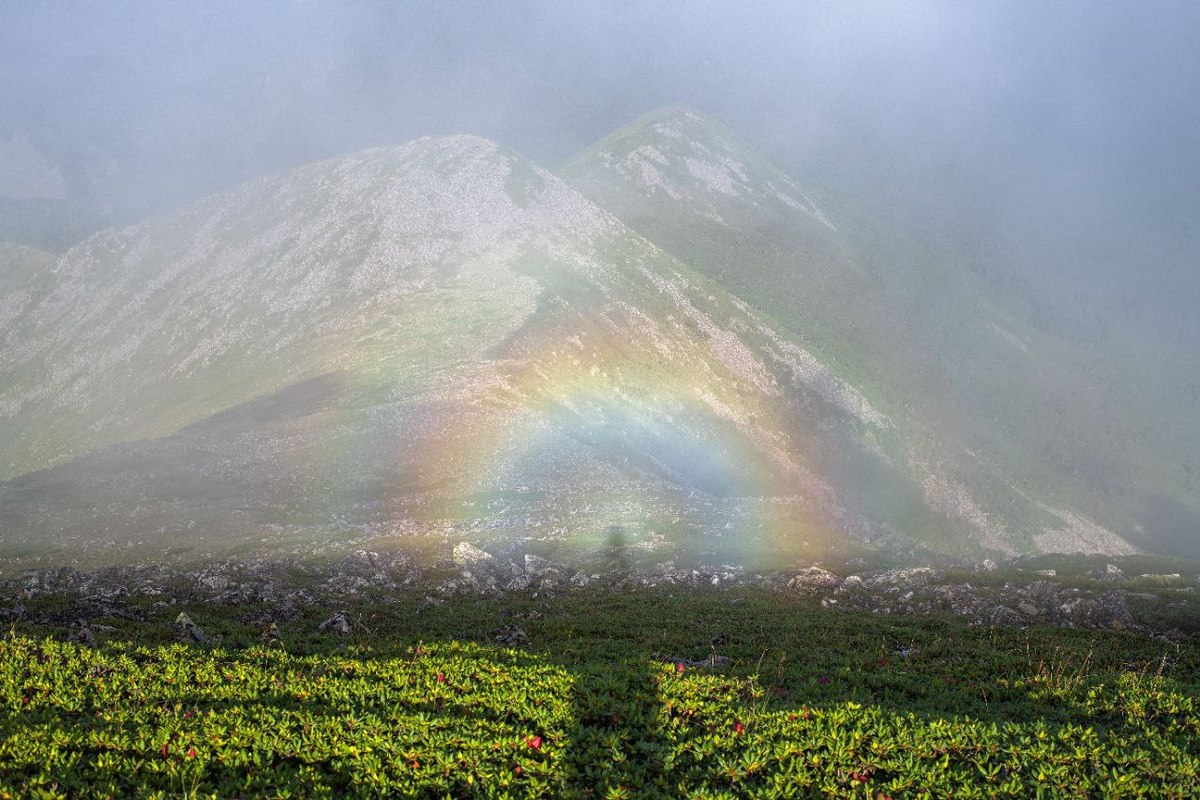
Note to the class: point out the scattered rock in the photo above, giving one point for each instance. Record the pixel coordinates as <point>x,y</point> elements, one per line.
<point>278,592</point>
<point>536,566</point>
<point>213,582</point>
<point>813,578</point>
<point>519,583</point>
<point>910,577</point>
<point>187,631</point>
<point>15,612</point>
<point>1174,635</point>
<point>343,624</point>
<point>365,570</point>
<point>468,557</point>
<point>511,636</point>
<point>429,601</point>
<point>1160,578</point>
<point>1112,611</point>
<point>1002,615</point>
<point>851,583</point>
<point>85,636</point>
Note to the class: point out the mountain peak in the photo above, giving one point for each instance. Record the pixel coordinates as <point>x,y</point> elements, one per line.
<point>677,153</point>
<point>676,112</point>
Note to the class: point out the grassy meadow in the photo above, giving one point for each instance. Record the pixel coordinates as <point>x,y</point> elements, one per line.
<point>607,699</point>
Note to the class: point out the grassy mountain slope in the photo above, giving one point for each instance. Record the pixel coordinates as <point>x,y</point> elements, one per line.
<point>443,341</point>
<point>153,327</point>
<point>436,339</point>
<point>1017,428</point>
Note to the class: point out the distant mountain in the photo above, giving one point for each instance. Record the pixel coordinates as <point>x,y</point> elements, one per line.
<point>1017,418</point>
<point>442,341</point>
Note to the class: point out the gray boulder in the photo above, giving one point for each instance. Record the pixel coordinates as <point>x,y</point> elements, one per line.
<point>342,624</point>
<point>511,636</point>
<point>187,631</point>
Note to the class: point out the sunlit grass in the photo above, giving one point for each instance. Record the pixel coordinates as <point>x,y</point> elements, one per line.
<point>814,703</point>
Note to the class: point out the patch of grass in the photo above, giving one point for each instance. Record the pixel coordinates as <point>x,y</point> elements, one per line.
<point>813,703</point>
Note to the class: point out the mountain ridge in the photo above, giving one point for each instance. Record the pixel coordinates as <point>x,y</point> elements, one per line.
<point>924,338</point>
<point>444,341</point>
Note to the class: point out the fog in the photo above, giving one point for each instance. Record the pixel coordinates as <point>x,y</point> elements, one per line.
<point>1051,145</point>
<point>1040,157</point>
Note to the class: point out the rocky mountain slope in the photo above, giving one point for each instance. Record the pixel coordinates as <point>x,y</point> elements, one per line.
<point>442,342</point>
<point>1005,425</point>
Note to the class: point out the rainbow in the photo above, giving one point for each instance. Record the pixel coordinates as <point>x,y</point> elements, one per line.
<point>591,440</point>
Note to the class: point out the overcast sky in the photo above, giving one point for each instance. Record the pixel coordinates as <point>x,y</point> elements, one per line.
<point>1082,118</point>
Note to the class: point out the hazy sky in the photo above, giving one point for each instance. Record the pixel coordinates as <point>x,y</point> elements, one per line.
<point>1080,119</point>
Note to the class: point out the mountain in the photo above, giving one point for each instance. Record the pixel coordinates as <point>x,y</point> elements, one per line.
<point>1020,421</point>
<point>414,346</point>
<point>402,343</point>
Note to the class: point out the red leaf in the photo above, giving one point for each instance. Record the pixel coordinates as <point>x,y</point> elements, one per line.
<point>191,752</point>
<point>534,743</point>
<point>737,727</point>
<point>441,678</point>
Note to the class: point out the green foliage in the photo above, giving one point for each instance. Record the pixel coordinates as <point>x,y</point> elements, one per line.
<point>816,703</point>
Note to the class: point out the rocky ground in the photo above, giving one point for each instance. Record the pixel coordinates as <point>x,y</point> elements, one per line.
<point>1014,593</point>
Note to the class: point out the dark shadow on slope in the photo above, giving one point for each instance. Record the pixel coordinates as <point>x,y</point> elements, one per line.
<point>616,742</point>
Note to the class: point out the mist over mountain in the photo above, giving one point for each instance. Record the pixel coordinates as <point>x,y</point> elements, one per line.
<point>443,341</point>
<point>543,399</point>
<point>284,279</point>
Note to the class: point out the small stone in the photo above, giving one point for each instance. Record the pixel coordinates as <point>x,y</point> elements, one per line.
<point>84,636</point>
<point>467,556</point>
<point>342,624</point>
<point>187,631</point>
<point>519,583</point>
<point>813,578</point>
<point>511,636</point>
<point>536,565</point>
<point>17,611</point>
<point>851,583</point>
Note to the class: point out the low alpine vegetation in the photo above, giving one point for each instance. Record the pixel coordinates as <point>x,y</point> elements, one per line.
<point>639,694</point>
